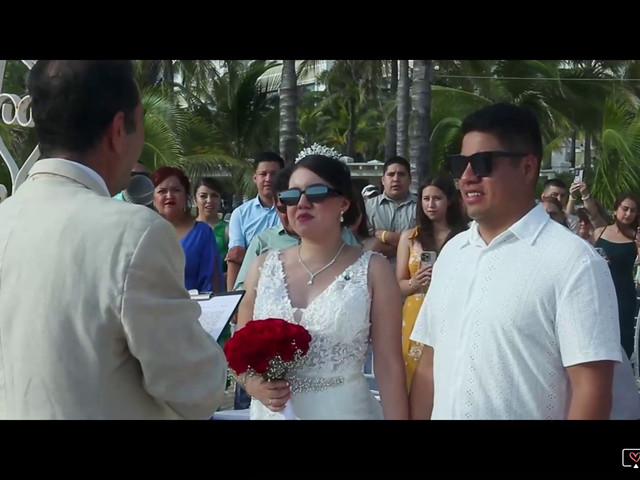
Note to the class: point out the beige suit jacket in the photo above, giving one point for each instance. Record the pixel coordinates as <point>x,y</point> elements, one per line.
<point>95,322</point>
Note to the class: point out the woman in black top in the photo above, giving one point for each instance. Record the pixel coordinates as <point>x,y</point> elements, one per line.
<point>620,243</point>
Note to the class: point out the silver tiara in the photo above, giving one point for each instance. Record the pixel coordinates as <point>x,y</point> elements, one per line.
<point>317,149</point>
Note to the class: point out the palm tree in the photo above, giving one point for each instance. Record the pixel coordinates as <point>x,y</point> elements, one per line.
<point>242,117</point>
<point>148,72</point>
<point>579,99</point>
<point>618,170</point>
<point>176,132</point>
<point>239,105</point>
<point>313,119</point>
<point>288,112</point>
<point>456,94</point>
<point>404,108</point>
<point>420,130</point>
<point>194,78</point>
<point>355,84</point>
<point>448,107</point>
<point>175,136</point>
<point>522,82</point>
<point>391,119</point>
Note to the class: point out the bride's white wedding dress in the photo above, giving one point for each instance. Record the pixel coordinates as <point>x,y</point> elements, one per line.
<point>331,384</point>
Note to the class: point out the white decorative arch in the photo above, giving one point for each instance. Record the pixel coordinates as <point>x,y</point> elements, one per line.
<point>16,111</point>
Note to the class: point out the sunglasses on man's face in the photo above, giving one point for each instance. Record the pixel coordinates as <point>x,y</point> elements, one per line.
<point>481,162</point>
<point>315,193</point>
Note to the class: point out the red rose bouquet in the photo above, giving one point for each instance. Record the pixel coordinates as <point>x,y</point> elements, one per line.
<point>270,348</point>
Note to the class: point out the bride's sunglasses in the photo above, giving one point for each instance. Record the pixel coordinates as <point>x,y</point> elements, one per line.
<point>481,162</point>
<point>315,193</point>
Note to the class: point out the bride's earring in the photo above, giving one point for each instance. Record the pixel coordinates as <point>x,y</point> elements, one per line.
<point>341,217</point>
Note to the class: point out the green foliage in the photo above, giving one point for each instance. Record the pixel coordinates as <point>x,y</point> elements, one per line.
<point>211,122</point>
<point>5,177</point>
<point>619,169</point>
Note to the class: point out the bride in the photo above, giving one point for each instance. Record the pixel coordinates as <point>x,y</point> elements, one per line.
<point>343,296</point>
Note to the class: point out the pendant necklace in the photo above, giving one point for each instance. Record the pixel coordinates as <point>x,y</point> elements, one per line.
<point>313,275</point>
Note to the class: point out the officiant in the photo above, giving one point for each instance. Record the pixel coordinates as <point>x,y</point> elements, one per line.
<point>109,331</point>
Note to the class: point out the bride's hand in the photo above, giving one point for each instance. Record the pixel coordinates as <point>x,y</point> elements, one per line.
<point>272,394</point>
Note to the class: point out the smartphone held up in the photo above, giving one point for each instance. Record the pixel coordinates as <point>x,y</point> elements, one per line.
<point>427,258</point>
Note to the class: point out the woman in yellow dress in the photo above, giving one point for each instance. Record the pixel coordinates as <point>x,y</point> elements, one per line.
<point>438,218</point>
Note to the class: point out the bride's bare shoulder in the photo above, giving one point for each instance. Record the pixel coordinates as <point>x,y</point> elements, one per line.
<point>380,265</point>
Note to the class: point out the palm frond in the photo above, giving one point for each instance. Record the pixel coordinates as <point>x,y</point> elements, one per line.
<point>445,139</point>
<point>618,169</point>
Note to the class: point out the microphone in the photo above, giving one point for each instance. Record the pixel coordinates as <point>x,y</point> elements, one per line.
<point>139,191</point>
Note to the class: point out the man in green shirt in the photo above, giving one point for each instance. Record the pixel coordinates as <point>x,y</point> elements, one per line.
<point>278,237</point>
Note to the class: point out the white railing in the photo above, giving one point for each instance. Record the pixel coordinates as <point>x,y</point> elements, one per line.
<point>15,110</point>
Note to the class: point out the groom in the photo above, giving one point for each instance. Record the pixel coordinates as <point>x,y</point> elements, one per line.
<point>517,295</point>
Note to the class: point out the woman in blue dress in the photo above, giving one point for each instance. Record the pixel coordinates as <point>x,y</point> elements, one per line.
<point>203,263</point>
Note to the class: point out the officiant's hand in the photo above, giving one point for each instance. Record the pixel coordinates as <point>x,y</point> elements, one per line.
<point>273,394</point>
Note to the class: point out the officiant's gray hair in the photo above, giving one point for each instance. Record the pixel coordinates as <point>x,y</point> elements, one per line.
<point>338,175</point>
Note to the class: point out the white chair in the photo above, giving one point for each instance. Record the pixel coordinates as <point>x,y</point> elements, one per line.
<point>232,415</point>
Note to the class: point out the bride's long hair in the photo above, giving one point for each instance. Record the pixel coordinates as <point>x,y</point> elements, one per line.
<point>338,176</point>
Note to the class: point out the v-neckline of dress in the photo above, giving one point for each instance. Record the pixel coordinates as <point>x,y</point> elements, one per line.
<point>303,310</point>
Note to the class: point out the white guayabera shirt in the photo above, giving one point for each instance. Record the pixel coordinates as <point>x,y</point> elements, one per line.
<point>506,319</point>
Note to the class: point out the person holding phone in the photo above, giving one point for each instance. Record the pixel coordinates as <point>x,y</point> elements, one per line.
<point>439,218</point>
<point>597,214</point>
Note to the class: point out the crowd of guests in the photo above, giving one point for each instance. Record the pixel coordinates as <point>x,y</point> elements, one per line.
<point>615,236</point>
<point>476,301</point>
<point>409,230</point>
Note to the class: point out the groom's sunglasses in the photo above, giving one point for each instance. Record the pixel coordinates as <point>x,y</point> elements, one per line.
<point>315,193</point>
<point>481,162</point>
